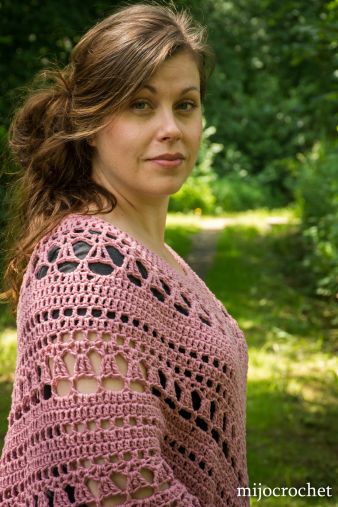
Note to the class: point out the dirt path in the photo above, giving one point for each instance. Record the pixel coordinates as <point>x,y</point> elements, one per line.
<point>203,246</point>
<point>204,242</point>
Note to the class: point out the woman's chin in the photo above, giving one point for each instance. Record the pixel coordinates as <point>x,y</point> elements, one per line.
<point>163,188</point>
<point>168,190</point>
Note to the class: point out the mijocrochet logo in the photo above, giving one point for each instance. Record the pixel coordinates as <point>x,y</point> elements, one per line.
<point>261,491</point>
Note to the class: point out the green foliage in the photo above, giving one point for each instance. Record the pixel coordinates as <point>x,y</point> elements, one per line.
<point>8,352</point>
<point>240,190</point>
<point>194,194</point>
<point>317,197</point>
<point>274,90</point>
<point>238,193</point>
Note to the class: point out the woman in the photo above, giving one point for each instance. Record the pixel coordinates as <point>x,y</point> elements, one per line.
<point>130,384</point>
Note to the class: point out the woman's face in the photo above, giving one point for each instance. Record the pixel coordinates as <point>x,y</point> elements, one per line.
<point>164,117</point>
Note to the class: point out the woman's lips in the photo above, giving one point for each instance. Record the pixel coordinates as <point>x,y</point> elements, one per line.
<point>166,163</point>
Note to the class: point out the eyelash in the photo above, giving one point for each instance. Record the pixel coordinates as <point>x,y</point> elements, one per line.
<point>192,104</point>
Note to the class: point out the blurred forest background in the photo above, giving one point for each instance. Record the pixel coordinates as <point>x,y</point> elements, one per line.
<point>269,146</point>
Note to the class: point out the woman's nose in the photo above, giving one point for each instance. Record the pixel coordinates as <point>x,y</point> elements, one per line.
<point>168,126</point>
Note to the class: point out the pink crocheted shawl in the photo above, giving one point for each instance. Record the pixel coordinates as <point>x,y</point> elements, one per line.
<point>130,383</point>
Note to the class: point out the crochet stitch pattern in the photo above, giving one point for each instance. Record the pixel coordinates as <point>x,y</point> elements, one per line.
<point>130,381</point>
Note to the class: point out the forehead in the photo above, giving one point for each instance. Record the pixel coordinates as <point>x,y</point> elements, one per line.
<point>178,72</point>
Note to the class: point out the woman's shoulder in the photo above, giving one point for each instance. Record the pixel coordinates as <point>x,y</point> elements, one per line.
<point>82,249</point>
<point>89,242</point>
<point>87,229</point>
<point>91,258</point>
<point>80,241</point>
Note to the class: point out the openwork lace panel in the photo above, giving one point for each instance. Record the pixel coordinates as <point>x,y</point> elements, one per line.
<point>130,385</point>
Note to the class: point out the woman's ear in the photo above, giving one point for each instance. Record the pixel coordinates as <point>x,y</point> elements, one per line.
<point>91,141</point>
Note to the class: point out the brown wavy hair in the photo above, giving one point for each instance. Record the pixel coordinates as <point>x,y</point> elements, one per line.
<point>48,136</point>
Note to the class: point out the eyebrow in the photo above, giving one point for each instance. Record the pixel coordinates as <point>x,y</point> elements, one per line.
<point>185,90</point>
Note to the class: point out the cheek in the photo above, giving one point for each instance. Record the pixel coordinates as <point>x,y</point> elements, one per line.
<point>196,134</point>
<point>122,137</point>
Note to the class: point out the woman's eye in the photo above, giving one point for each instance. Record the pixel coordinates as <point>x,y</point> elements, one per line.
<point>142,105</point>
<point>190,105</point>
<point>139,105</point>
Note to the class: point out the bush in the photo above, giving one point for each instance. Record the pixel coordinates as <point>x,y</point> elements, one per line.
<point>316,193</point>
<point>194,194</point>
<point>237,193</point>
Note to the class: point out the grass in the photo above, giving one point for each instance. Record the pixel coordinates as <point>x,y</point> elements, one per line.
<point>291,399</point>
<point>179,236</point>
<point>291,409</point>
